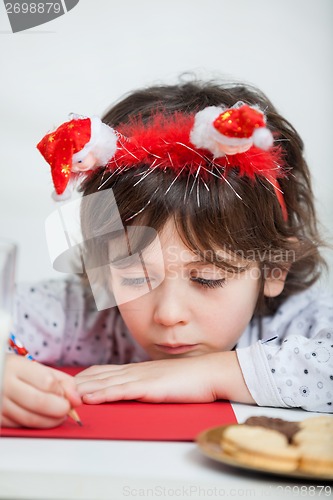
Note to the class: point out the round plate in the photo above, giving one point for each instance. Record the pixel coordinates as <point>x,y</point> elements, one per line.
<point>209,442</point>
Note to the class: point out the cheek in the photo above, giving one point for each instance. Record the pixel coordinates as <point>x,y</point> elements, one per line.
<point>128,295</point>
<point>135,317</point>
<point>230,315</point>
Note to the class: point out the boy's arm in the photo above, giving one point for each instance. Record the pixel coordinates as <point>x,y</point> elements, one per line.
<point>296,374</point>
<point>197,379</point>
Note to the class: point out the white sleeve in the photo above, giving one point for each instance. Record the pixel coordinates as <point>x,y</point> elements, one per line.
<point>297,373</point>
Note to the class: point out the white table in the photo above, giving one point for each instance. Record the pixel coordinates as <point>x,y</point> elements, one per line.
<point>88,469</point>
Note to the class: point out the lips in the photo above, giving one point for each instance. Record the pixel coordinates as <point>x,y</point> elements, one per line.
<point>176,348</point>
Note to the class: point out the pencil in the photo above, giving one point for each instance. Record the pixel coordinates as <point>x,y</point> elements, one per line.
<point>19,349</point>
<point>73,414</point>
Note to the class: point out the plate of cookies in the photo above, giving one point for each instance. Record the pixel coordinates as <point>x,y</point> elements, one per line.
<point>274,446</point>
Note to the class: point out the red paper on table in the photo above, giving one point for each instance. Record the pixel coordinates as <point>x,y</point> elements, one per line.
<point>132,420</point>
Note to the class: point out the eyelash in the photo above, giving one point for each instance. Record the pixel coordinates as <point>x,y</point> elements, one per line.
<point>210,283</point>
<point>137,282</point>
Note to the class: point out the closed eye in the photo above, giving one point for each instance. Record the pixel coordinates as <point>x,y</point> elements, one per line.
<point>135,282</point>
<point>209,283</point>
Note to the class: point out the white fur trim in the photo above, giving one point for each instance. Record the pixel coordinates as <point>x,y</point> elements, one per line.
<point>102,144</point>
<point>263,138</point>
<point>204,134</point>
<point>66,195</point>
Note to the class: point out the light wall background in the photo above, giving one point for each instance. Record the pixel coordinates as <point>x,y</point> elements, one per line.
<point>88,58</point>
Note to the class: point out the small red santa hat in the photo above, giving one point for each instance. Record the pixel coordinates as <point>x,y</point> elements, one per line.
<point>230,131</point>
<point>70,144</point>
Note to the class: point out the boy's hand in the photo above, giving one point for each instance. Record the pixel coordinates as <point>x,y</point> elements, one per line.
<point>199,379</point>
<point>35,395</point>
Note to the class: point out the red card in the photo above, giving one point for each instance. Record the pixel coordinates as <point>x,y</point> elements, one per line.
<point>137,421</point>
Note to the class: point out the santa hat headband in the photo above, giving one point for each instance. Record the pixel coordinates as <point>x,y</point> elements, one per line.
<point>214,139</point>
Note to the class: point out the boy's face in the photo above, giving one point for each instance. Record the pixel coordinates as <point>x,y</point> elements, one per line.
<point>193,308</point>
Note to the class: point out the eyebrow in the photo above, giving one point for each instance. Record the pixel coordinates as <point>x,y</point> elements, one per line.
<point>225,263</point>
<point>198,262</point>
<point>120,262</point>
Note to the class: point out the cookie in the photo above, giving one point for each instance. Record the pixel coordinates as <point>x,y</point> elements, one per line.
<point>289,429</point>
<point>315,442</point>
<point>315,435</point>
<point>316,458</point>
<point>260,447</point>
<point>282,446</point>
<point>321,422</point>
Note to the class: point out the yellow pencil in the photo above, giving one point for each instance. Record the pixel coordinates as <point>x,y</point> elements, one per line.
<point>73,414</point>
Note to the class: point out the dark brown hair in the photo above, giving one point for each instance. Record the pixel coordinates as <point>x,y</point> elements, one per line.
<point>252,226</point>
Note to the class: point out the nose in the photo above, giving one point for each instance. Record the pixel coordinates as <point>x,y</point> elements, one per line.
<point>171,305</point>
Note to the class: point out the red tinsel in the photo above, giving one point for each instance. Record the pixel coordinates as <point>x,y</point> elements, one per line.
<point>164,142</point>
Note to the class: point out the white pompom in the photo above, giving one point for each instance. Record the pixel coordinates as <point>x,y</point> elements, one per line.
<point>263,138</point>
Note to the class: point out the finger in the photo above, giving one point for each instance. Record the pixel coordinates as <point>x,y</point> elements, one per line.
<point>105,375</point>
<point>99,370</point>
<point>16,416</point>
<point>119,392</point>
<point>68,388</point>
<point>100,376</point>
<point>40,377</point>
<point>36,401</point>
<point>102,383</point>
<point>49,380</point>
<point>8,422</point>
